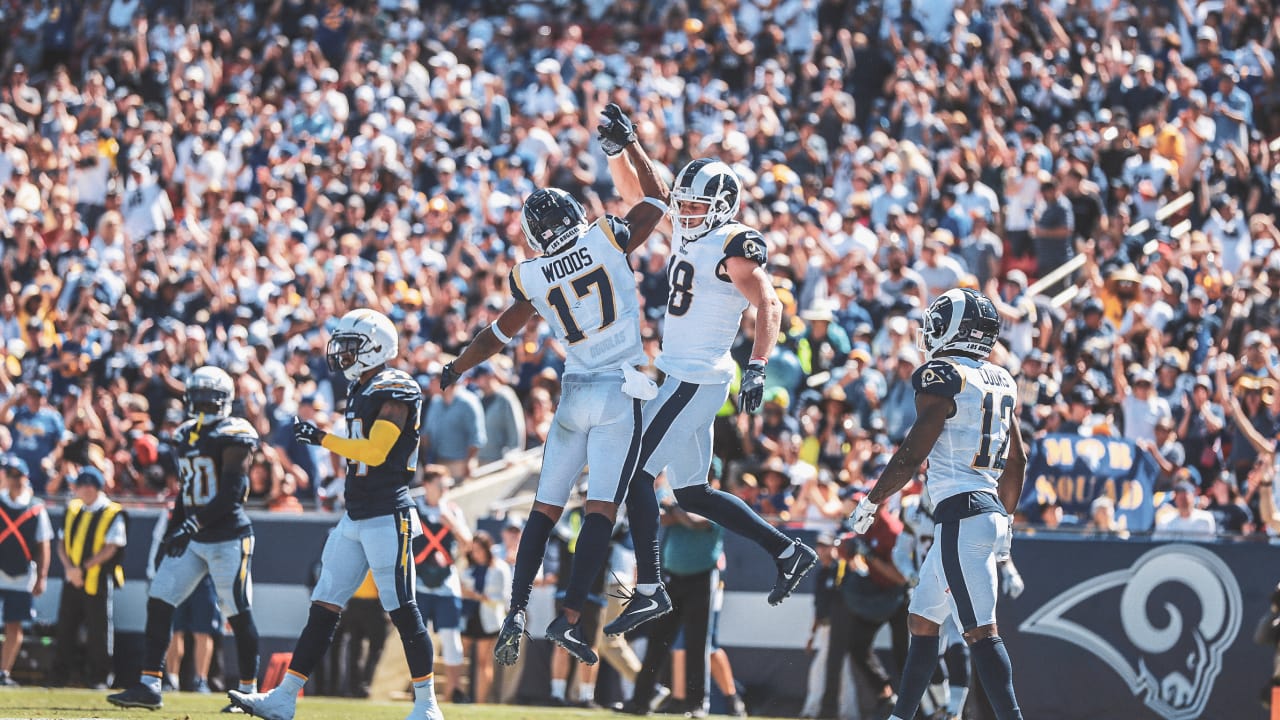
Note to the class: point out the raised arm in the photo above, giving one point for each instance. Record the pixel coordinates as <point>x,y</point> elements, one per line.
<point>491,339</point>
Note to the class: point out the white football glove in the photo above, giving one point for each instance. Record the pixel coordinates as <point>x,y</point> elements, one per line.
<point>864,515</point>
<point>1013,584</point>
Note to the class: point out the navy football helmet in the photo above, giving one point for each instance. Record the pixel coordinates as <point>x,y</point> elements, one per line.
<point>552,219</point>
<point>960,321</point>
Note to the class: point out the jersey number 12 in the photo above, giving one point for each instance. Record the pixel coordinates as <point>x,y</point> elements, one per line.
<point>984,460</point>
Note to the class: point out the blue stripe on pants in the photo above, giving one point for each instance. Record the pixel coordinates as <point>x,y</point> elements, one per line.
<point>629,464</point>
<point>954,571</point>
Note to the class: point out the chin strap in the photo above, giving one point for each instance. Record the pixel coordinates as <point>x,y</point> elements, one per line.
<point>195,432</point>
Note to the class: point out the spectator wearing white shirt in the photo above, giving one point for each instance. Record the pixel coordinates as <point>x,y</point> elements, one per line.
<point>1231,229</point>
<point>1142,405</point>
<point>1150,311</point>
<point>1189,522</point>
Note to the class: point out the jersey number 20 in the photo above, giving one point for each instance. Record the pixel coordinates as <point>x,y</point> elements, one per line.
<point>199,480</point>
<point>599,278</point>
<point>984,459</point>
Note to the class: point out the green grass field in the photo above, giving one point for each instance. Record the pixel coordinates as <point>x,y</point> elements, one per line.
<point>67,704</point>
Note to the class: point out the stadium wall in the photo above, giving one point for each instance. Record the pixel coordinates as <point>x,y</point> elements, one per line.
<point>1106,629</point>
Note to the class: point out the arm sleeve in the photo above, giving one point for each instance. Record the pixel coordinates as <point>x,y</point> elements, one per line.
<point>749,244</point>
<point>937,377</point>
<point>116,534</point>
<point>372,450</point>
<point>513,282</point>
<point>617,230</point>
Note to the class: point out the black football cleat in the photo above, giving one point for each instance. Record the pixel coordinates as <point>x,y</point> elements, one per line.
<point>568,636</point>
<point>640,609</point>
<point>791,570</point>
<point>138,696</point>
<point>507,648</point>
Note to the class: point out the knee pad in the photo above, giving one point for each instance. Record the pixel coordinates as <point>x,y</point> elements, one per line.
<point>695,498</point>
<point>451,646</point>
<point>408,620</point>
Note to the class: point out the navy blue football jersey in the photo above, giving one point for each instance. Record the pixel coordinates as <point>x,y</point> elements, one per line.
<point>215,498</point>
<point>382,490</point>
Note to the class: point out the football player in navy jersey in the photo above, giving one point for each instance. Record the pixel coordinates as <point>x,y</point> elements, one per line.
<point>967,428</point>
<point>384,411</point>
<point>210,534</point>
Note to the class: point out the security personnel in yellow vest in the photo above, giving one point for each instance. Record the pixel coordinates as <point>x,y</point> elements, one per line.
<point>25,532</point>
<point>93,539</point>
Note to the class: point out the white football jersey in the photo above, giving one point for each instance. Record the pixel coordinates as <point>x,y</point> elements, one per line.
<point>704,309</point>
<point>971,451</point>
<point>587,293</point>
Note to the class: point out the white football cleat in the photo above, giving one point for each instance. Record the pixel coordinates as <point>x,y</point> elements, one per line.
<point>274,705</point>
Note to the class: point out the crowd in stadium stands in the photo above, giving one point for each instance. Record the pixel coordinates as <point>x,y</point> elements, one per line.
<point>189,182</point>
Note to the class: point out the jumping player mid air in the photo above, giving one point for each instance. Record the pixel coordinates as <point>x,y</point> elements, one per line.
<point>967,427</point>
<point>716,270</point>
<point>582,284</point>
<point>384,412</point>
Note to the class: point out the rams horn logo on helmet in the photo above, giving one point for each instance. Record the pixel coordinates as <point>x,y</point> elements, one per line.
<point>1170,665</point>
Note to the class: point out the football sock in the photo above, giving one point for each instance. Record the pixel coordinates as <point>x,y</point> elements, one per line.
<point>151,682</point>
<point>586,692</point>
<point>592,553</point>
<point>312,644</point>
<point>922,659</point>
<point>291,684</point>
<point>424,690</point>
<point>648,588</point>
<point>246,632</point>
<point>731,513</point>
<point>557,688</point>
<point>159,631</point>
<point>417,644</point>
<point>533,545</point>
<point>991,660</point>
<point>957,661</point>
<point>642,514</point>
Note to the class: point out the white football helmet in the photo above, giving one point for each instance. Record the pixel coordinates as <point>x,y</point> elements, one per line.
<point>711,183</point>
<point>962,321</point>
<point>209,392</point>
<point>363,340</point>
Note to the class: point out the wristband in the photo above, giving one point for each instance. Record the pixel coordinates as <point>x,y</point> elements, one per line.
<point>497,332</point>
<point>657,203</point>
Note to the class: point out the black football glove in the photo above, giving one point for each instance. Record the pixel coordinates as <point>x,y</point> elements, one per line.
<point>307,433</point>
<point>616,130</point>
<point>179,539</point>
<point>448,376</point>
<point>751,392</point>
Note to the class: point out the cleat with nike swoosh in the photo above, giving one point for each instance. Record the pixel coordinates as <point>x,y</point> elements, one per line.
<point>791,570</point>
<point>640,609</point>
<point>569,637</point>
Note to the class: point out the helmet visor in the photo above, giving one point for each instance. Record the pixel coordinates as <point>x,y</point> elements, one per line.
<point>343,352</point>
<point>205,400</point>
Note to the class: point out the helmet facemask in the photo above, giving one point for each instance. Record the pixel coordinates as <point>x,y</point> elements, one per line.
<point>343,355</point>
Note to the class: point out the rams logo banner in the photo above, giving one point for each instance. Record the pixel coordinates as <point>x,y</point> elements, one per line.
<point>1076,470</point>
<point>1169,655</point>
<point>1133,630</point>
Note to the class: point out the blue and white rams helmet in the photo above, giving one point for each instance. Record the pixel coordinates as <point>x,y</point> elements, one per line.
<point>363,340</point>
<point>551,220</point>
<point>209,392</point>
<point>706,195</point>
<point>960,321</point>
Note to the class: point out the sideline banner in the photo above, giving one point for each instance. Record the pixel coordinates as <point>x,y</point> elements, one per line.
<point>1077,470</point>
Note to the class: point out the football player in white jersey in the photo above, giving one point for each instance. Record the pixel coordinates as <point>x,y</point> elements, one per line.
<point>717,269</point>
<point>967,428</point>
<point>583,286</point>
